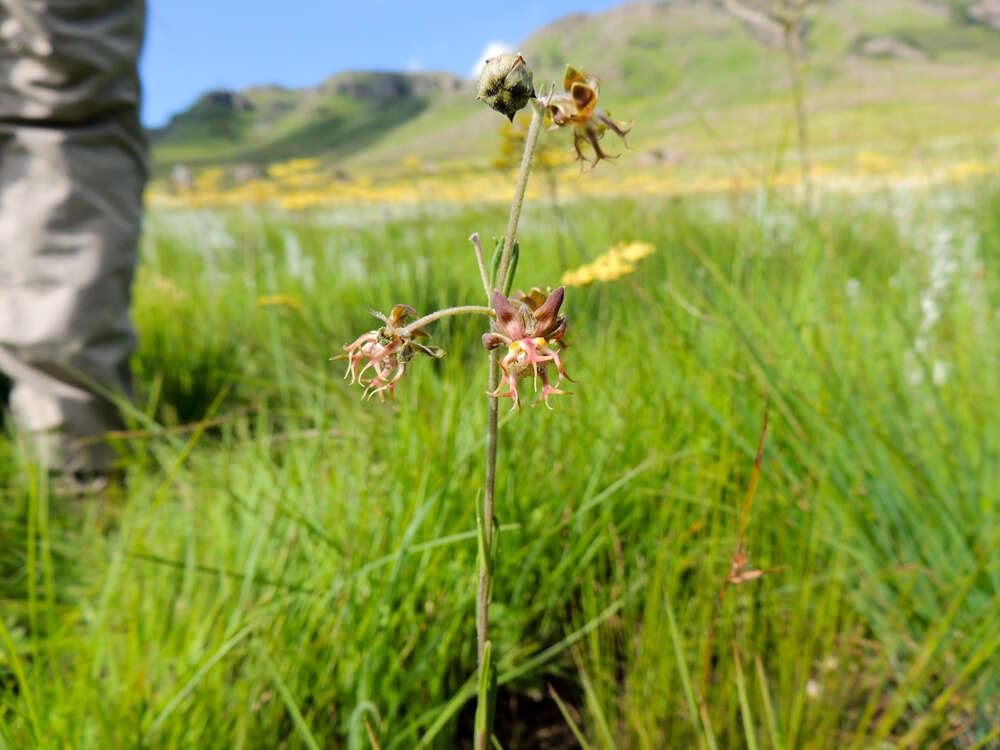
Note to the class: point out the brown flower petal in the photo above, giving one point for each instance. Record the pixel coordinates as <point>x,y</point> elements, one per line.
<point>585,99</point>
<point>546,314</point>
<point>399,314</point>
<point>534,299</point>
<point>431,351</point>
<point>493,340</point>
<point>621,128</point>
<point>573,75</point>
<point>508,319</point>
<point>559,330</point>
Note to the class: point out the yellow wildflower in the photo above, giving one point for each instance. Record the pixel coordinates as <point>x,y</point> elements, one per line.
<point>280,300</point>
<point>618,261</point>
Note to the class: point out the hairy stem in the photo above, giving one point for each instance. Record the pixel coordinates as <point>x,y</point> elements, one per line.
<point>438,314</point>
<point>530,142</point>
<point>483,597</point>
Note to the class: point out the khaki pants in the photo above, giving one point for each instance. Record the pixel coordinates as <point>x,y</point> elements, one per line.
<point>72,170</point>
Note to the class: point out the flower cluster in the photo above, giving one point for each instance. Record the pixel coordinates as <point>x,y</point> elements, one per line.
<point>531,328</point>
<point>618,261</point>
<point>577,107</point>
<point>385,350</point>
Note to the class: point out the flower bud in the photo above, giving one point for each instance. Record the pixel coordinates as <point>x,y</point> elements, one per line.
<point>506,84</point>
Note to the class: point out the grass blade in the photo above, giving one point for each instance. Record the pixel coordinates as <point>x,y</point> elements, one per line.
<point>679,651</point>
<point>749,730</point>
<point>191,684</point>
<point>769,715</point>
<point>564,710</point>
<point>289,700</point>
<point>25,687</point>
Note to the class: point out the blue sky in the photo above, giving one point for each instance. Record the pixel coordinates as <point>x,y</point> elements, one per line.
<point>196,45</point>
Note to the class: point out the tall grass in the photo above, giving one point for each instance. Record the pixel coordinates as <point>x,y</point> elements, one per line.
<point>288,566</point>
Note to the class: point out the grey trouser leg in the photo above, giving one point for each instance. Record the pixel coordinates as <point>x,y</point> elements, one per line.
<point>72,170</point>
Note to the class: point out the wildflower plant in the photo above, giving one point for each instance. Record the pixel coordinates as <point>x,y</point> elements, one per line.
<point>526,330</point>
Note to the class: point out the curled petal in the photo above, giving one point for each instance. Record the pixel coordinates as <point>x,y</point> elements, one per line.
<point>593,135</point>
<point>381,384</point>
<point>511,392</point>
<point>621,128</point>
<point>548,390</point>
<point>377,352</point>
<point>577,140</point>
<point>358,350</point>
<point>559,367</point>
<point>431,351</point>
<point>493,340</point>
<point>376,364</point>
<point>364,338</point>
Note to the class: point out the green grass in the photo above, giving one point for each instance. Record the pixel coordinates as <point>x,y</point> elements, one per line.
<point>294,562</point>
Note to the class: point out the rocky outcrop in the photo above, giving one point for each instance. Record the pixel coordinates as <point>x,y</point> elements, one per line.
<point>889,46</point>
<point>985,12</point>
<point>386,86</point>
<point>228,99</point>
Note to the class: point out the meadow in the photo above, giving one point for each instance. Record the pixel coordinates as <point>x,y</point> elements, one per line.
<point>287,566</point>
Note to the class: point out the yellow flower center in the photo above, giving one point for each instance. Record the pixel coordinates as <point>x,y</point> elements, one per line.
<point>519,350</point>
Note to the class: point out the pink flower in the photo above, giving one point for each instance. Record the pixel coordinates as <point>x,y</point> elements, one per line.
<point>531,330</point>
<point>387,351</point>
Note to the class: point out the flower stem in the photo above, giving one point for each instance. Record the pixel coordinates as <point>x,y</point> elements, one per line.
<point>530,142</point>
<point>492,422</point>
<point>460,310</point>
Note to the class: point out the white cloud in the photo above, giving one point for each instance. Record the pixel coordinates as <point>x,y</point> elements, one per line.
<point>492,49</point>
<point>414,65</point>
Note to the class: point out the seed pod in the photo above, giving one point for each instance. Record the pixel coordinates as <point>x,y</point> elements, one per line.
<point>506,84</point>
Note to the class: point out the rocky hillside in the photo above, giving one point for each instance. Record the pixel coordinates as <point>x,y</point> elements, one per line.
<point>263,124</point>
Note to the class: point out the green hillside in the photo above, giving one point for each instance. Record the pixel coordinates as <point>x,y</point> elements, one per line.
<point>897,75</point>
<point>265,124</point>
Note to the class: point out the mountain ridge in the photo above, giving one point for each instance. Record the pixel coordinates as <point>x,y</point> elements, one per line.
<point>660,63</point>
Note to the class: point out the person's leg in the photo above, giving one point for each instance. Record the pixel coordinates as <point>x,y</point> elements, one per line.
<point>72,170</point>
<point>69,221</point>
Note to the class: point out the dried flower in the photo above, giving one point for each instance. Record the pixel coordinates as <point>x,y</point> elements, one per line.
<point>388,348</point>
<point>506,84</point>
<point>531,328</point>
<point>578,108</point>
